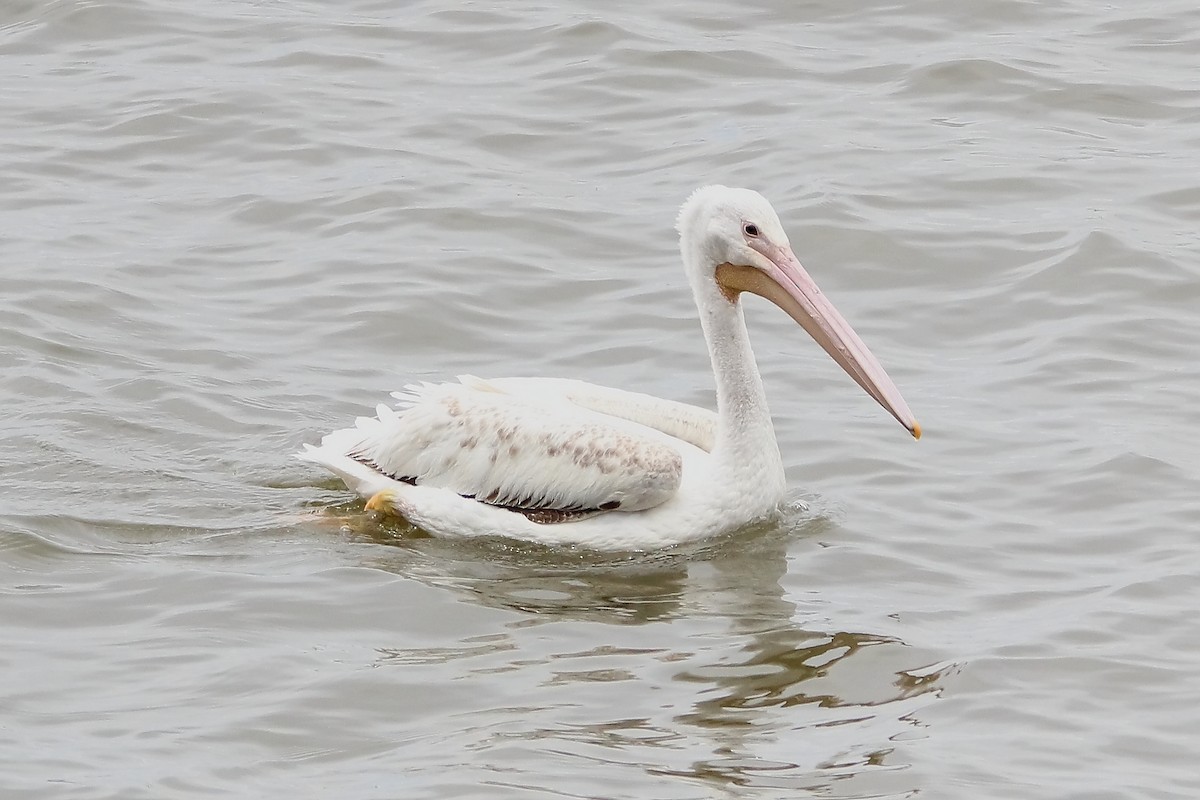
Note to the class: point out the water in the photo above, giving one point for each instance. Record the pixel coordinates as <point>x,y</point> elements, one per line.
<point>227,228</point>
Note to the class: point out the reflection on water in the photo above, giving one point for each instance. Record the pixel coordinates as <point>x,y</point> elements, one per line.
<point>720,701</point>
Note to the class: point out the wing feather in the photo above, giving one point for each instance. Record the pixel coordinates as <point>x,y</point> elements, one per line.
<point>692,424</point>
<point>514,451</point>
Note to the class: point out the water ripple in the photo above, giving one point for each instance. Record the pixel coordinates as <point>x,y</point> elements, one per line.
<point>230,227</point>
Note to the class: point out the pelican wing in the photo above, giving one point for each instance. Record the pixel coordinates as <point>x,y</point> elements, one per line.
<point>516,451</point>
<point>692,424</point>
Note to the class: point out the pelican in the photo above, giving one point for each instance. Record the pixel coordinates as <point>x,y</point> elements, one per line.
<point>563,462</point>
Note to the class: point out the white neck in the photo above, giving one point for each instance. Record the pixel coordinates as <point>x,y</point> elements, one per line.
<point>745,444</point>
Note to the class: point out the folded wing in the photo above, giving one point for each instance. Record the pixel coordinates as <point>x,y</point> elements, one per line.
<point>541,454</point>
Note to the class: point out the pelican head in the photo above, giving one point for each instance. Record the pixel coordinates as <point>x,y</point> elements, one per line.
<point>735,238</point>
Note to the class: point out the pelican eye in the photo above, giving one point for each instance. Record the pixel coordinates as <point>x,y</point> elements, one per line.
<point>750,229</point>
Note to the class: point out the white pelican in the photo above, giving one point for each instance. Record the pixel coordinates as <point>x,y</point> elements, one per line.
<point>566,462</point>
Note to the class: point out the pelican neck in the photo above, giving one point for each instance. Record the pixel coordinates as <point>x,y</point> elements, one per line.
<point>745,434</point>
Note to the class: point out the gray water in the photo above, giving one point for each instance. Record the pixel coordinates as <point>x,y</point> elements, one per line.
<point>227,227</point>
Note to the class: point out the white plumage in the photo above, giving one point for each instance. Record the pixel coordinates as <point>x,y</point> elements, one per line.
<point>566,462</point>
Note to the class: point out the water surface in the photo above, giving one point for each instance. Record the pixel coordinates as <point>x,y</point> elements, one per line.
<point>227,228</point>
